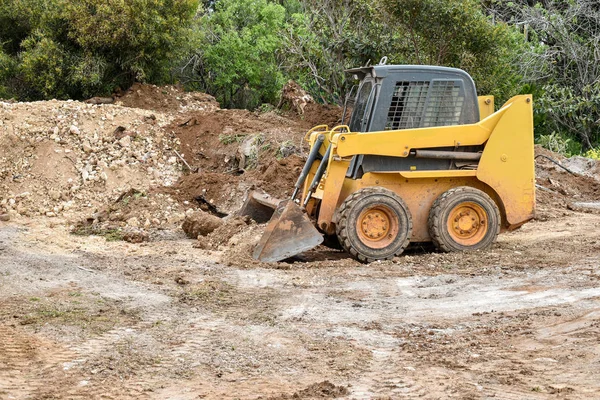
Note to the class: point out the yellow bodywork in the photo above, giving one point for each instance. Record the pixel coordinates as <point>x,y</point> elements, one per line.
<point>505,171</point>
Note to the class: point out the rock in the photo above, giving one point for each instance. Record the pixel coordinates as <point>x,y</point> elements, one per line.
<point>4,217</point>
<point>125,141</point>
<point>54,194</point>
<point>135,236</point>
<point>134,222</point>
<point>200,223</point>
<point>74,130</point>
<point>87,148</point>
<point>100,100</point>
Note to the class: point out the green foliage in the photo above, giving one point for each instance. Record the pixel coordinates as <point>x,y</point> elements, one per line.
<point>593,153</point>
<point>559,144</point>
<point>141,36</point>
<point>572,113</point>
<point>80,48</point>
<point>7,70</point>
<point>228,139</point>
<point>561,60</point>
<point>328,37</point>
<point>457,33</point>
<point>43,66</point>
<point>237,54</point>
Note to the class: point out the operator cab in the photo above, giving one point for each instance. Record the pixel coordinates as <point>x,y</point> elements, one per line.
<point>397,97</point>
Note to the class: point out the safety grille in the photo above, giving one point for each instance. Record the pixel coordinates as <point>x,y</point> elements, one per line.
<point>408,103</point>
<point>422,103</point>
<point>445,104</point>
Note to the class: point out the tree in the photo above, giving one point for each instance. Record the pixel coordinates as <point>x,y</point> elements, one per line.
<point>562,60</point>
<point>235,58</point>
<point>457,33</point>
<point>79,48</point>
<point>328,37</point>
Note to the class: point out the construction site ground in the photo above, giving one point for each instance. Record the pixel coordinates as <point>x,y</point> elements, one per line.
<point>103,296</point>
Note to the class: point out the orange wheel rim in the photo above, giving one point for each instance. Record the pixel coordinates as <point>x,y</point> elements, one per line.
<point>377,226</point>
<point>467,223</point>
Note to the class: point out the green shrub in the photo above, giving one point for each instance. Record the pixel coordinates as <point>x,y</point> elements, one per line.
<point>81,48</point>
<point>593,153</point>
<point>236,58</point>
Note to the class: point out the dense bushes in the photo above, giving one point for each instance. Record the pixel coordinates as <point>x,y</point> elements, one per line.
<point>79,48</point>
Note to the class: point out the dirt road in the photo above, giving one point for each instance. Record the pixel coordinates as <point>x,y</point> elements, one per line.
<point>84,318</point>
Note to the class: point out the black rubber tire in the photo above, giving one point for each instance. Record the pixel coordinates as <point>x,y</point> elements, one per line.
<point>350,211</point>
<point>448,201</point>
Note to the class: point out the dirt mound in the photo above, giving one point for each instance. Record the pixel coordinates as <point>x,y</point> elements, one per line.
<point>134,216</point>
<point>560,190</point>
<point>224,191</point>
<point>64,157</point>
<point>167,99</point>
<point>318,114</point>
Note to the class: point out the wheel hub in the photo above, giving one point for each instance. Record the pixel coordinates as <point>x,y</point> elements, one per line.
<point>377,226</point>
<point>467,223</point>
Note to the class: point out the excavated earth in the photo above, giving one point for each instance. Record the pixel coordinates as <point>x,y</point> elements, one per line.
<point>102,295</point>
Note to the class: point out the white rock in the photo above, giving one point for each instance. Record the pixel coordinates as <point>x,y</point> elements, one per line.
<point>74,130</point>
<point>134,222</point>
<point>125,141</point>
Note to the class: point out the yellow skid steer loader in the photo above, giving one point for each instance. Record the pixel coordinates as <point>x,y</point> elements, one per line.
<point>422,159</point>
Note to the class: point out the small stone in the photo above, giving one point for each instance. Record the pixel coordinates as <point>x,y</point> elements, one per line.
<point>4,217</point>
<point>50,214</point>
<point>134,222</point>
<point>54,194</point>
<point>125,141</point>
<point>74,130</point>
<point>87,148</point>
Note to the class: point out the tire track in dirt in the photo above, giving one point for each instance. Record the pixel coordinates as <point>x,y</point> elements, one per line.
<point>29,366</point>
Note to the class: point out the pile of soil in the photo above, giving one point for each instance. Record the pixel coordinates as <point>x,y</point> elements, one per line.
<point>560,189</point>
<point>145,162</point>
<point>65,158</point>
<point>166,99</point>
<point>160,154</point>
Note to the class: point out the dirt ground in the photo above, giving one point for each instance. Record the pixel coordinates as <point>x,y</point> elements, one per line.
<point>87,315</point>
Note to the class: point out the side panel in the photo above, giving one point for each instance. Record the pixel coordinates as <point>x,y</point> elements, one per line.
<point>508,164</point>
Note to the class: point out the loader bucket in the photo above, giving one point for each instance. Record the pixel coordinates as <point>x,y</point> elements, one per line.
<point>259,206</point>
<point>288,233</point>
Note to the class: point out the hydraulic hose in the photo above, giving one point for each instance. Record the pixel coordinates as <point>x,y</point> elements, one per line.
<point>312,156</point>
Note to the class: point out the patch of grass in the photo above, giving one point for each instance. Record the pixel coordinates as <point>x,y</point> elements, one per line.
<point>111,235</point>
<point>228,139</point>
<point>79,311</point>
<point>209,291</point>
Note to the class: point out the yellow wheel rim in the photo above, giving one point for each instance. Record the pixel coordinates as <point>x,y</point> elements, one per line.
<point>467,223</point>
<point>377,227</point>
